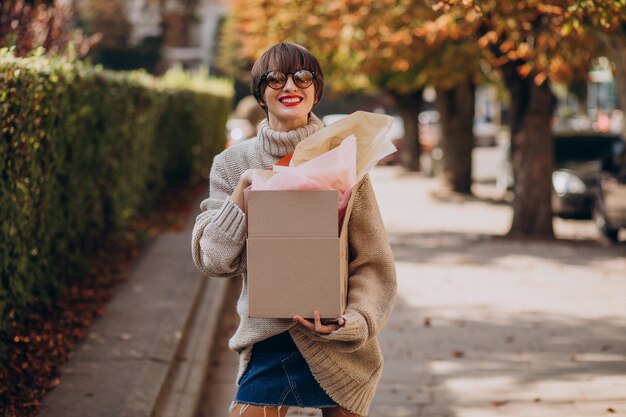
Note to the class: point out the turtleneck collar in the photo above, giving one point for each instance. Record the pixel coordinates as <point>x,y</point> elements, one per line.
<point>279,144</point>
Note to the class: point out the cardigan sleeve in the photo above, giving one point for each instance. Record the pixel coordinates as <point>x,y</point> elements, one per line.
<point>219,234</point>
<point>372,282</point>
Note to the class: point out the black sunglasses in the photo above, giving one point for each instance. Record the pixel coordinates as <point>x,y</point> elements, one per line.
<point>277,79</point>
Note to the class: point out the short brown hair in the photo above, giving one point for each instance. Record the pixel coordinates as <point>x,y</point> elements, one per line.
<point>285,57</point>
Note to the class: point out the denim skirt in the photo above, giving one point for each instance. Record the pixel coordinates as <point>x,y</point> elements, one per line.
<point>278,375</point>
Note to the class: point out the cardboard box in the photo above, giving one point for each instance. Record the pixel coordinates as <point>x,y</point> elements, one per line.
<point>297,263</point>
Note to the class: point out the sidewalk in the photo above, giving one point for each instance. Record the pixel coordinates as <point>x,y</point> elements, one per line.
<point>484,326</point>
<point>148,354</point>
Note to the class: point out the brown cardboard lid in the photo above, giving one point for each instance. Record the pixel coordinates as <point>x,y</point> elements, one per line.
<point>293,213</point>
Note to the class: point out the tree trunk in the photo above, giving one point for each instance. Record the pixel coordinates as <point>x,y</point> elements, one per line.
<point>531,154</point>
<point>456,109</point>
<point>617,54</point>
<point>409,107</point>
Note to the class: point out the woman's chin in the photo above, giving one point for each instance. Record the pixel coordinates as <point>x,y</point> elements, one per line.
<point>292,116</point>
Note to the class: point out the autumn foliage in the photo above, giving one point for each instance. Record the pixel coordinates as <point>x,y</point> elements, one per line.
<point>27,26</point>
<point>400,47</point>
<point>536,36</point>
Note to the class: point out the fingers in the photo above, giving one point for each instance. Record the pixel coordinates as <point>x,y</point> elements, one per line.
<point>304,322</point>
<point>265,173</point>
<point>317,323</point>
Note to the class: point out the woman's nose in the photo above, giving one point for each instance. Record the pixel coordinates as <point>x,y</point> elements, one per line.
<point>289,85</point>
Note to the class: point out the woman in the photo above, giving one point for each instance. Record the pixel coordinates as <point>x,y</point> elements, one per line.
<point>282,362</point>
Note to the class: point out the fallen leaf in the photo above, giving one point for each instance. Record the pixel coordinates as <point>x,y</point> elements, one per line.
<point>458,353</point>
<point>499,403</point>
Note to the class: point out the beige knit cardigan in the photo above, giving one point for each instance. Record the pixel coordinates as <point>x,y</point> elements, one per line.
<point>348,362</point>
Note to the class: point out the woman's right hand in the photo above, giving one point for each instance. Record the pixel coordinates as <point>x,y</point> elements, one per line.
<point>318,325</point>
<point>244,182</point>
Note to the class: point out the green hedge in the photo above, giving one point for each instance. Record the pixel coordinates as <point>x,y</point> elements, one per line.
<point>83,151</point>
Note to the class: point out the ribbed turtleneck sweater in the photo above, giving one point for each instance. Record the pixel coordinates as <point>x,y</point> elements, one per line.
<point>346,363</point>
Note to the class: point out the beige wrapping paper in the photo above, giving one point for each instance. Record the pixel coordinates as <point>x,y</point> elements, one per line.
<point>370,129</point>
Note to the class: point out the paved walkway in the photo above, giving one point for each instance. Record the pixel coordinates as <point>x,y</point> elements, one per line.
<point>484,326</point>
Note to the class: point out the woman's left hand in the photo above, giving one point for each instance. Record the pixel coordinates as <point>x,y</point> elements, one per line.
<point>317,324</point>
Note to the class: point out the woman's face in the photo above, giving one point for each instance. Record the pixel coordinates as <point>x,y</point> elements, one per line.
<point>288,107</point>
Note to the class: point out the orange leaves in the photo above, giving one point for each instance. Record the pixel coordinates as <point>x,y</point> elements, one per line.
<point>313,20</point>
<point>583,15</point>
<point>336,5</point>
<point>487,38</point>
<point>472,15</point>
<point>507,45</point>
<point>411,37</point>
<point>523,50</point>
<point>540,78</point>
<point>550,9</point>
<point>440,6</point>
<point>384,31</point>
<point>400,65</point>
<point>546,38</point>
<point>561,70</point>
<point>402,37</point>
<point>524,70</point>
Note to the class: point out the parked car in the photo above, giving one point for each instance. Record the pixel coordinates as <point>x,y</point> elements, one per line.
<point>609,208</point>
<point>580,161</point>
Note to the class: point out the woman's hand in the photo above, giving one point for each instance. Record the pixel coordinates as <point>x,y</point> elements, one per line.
<point>317,324</point>
<point>244,182</point>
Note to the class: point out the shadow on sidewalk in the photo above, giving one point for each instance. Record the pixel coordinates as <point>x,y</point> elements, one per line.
<point>459,360</point>
<point>444,196</point>
<point>481,249</point>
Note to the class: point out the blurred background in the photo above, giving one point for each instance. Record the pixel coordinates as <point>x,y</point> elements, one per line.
<point>508,119</point>
<point>457,75</point>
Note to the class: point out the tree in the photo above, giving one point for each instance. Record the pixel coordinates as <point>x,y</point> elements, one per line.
<point>527,42</point>
<point>453,68</point>
<point>606,18</point>
<point>109,20</point>
<point>352,39</point>
<point>29,25</point>
<point>364,45</point>
<point>230,61</point>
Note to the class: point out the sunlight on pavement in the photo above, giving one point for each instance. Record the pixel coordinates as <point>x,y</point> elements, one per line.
<point>485,326</point>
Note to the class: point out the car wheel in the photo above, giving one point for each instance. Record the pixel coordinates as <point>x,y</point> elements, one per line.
<point>599,218</point>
